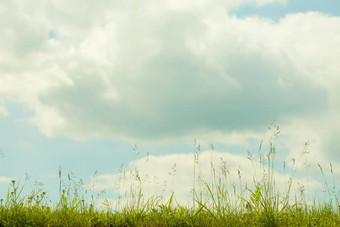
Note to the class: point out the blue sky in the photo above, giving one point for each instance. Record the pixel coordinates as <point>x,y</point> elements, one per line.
<point>82,83</point>
<point>276,11</point>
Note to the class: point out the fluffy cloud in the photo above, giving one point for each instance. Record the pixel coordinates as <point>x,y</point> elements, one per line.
<point>162,175</point>
<point>152,71</point>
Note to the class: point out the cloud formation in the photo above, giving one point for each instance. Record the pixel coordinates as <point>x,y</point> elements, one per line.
<point>162,175</point>
<point>151,71</point>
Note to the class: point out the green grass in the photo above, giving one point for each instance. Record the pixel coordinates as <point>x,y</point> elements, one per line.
<point>215,202</point>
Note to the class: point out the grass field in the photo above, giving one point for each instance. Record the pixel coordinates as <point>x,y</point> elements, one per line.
<point>215,202</point>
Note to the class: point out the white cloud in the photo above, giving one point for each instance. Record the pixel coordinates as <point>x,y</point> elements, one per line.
<point>160,175</point>
<point>319,132</point>
<point>164,82</point>
<point>150,71</point>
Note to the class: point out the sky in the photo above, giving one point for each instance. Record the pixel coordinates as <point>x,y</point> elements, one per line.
<point>91,88</point>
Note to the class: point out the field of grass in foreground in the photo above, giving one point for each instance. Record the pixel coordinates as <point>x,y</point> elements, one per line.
<point>216,203</point>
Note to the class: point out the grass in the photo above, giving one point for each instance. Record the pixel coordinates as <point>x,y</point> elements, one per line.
<point>217,201</point>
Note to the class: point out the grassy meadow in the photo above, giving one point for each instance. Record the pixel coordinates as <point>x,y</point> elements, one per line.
<point>216,201</point>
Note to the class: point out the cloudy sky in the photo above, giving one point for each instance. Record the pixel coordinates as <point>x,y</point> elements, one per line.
<point>82,82</point>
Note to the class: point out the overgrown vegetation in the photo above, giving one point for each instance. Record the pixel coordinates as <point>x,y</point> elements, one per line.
<point>216,202</point>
